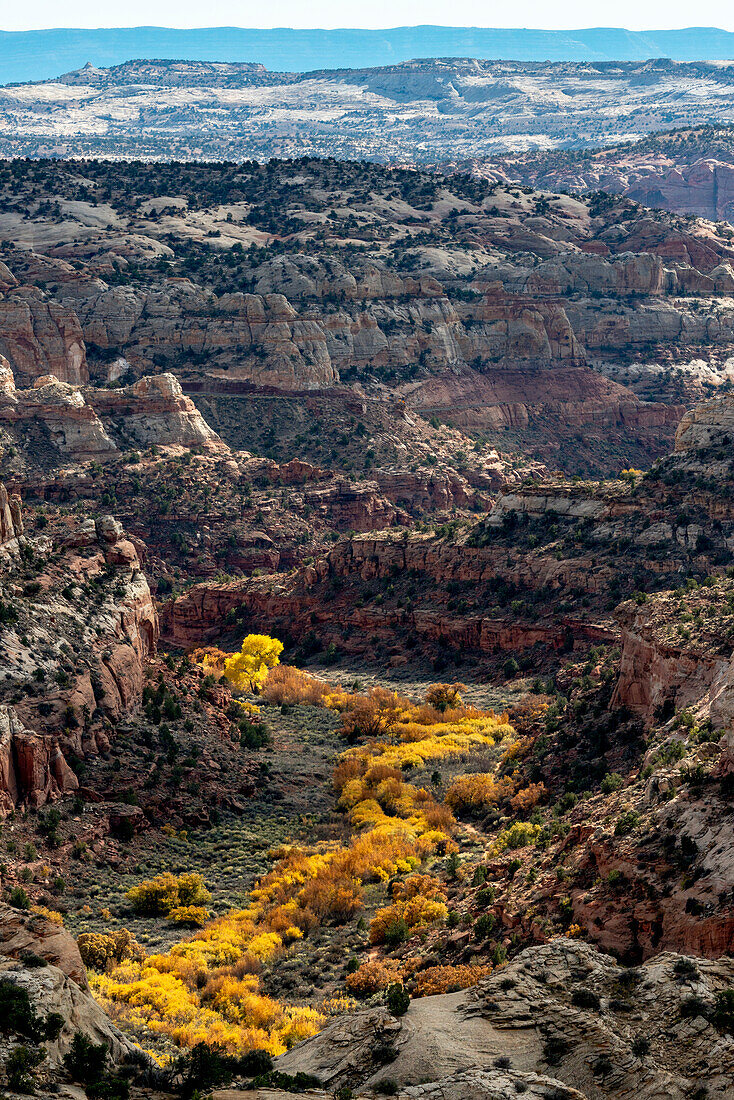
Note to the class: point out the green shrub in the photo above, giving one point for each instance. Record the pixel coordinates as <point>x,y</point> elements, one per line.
<point>397,932</point>
<point>485,896</point>
<point>452,865</point>
<point>723,1015</point>
<point>602,1066</point>
<point>626,823</point>
<point>254,1062</point>
<point>510,668</point>
<point>20,1066</point>
<point>32,960</point>
<point>612,781</point>
<point>616,878</point>
<point>19,1017</point>
<point>685,968</point>
<point>205,1067</point>
<point>275,1079</point>
<point>109,1087</point>
<point>694,1006</point>
<point>86,1061</point>
<point>397,999</point>
<point>253,735</point>
<point>555,1049</point>
<point>18,898</point>
<point>484,926</point>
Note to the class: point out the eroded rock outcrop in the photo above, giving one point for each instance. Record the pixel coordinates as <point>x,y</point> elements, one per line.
<point>60,986</point>
<point>708,423</point>
<point>33,770</point>
<point>663,672</point>
<point>84,696</point>
<point>40,337</point>
<point>154,410</point>
<point>82,423</point>
<point>11,521</point>
<point>555,1010</point>
<point>22,932</point>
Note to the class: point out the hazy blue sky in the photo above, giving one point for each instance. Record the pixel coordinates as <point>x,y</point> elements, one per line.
<point>634,14</point>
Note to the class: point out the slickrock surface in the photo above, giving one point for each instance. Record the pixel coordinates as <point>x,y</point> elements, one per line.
<point>562,1010</point>
<point>474,1084</point>
<point>43,959</point>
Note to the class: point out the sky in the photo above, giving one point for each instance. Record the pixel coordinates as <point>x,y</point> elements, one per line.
<point>567,14</point>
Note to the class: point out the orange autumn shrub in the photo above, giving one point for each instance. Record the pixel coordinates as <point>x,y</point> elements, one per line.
<point>477,792</point>
<point>533,708</point>
<point>448,979</point>
<point>349,767</point>
<point>332,895</point>
<point>444,696</point>
<point>287,685</point>
<point>426,886</point>
<point>373,714</point>
<point>418,913</point>
<point>210,658</point>
<point>516,750</point>
<point>527,798</point>
<point>372,977</point>
<point>419,901</point>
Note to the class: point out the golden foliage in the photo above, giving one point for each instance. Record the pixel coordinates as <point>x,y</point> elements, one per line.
<point>248,669</point>
<point>373,714</point>
<point>419,901</point>
<point>206,990</point>
<point>49,914</point>
<point>371,977</point>
<point>477,792</point>
<point>207,987</point>
<point>285,684</point>
<point>101,950</point>
<point>210,658</point>
<point>519,835</point>
<point>337,1005</point>
<point>448,979</point>
<point>528,797</point>
<point>444,696</point>
<point>193,915</point>
<point>160,895</point>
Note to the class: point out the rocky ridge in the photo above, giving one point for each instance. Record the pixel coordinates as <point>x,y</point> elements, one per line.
<point>419,111</point>
<point>689,170</point>
<point>376,293</point>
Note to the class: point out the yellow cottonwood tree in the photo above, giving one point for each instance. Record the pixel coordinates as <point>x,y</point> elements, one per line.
<point>248,669</point>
